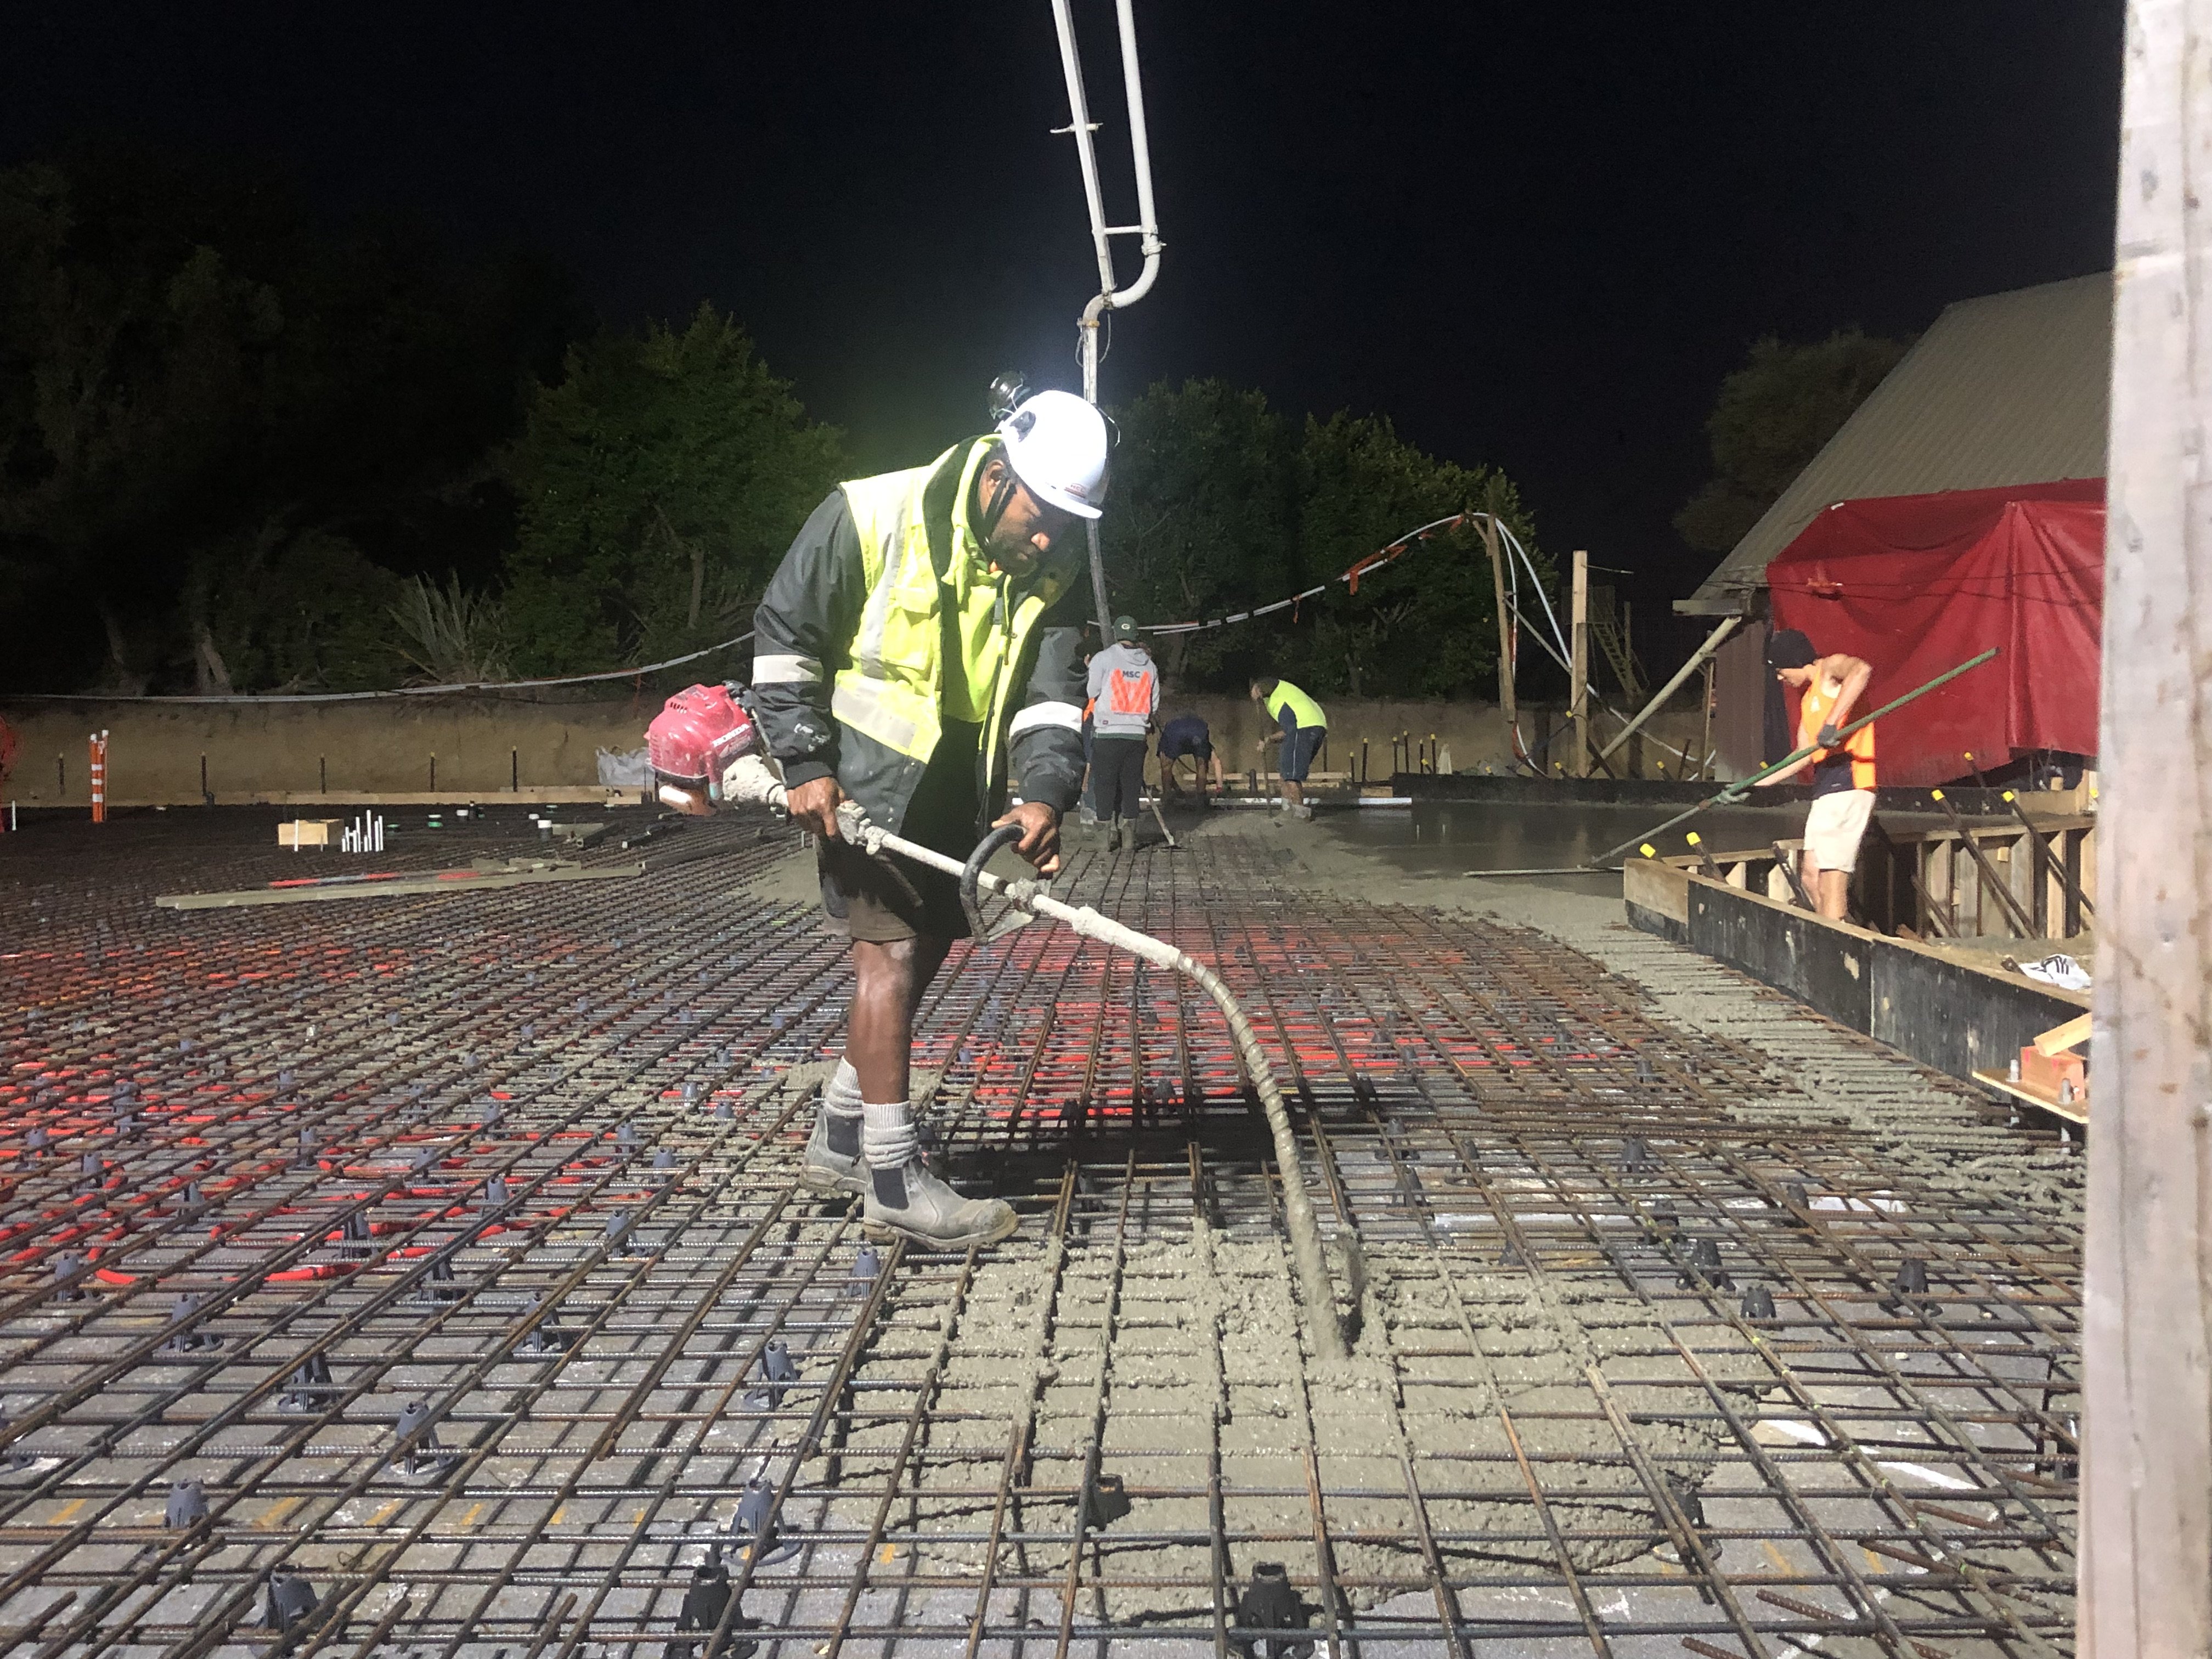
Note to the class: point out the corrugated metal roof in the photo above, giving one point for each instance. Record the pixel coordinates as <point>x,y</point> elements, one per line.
<point>2006,389</point>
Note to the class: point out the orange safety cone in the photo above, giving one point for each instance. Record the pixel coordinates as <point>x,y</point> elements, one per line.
<point>99,763</point>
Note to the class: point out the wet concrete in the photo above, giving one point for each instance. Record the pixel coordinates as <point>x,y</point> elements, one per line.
<point>1435,838</point>
<point>1181,1365</point>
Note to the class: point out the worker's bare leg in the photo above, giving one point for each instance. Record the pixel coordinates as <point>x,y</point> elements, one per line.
<point>1833,894</point>
<point>1808,876</point>
<point>878,1037</point>
<point>889,982</point>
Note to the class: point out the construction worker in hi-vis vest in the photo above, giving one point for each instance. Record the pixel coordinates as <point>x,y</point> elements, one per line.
<point>919,652</point>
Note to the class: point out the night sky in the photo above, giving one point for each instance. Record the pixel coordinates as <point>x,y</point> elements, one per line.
<point>1535,235</point>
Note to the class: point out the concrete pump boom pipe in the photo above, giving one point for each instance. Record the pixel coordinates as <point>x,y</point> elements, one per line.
<point>750,780</point>
<point>1110,296</point>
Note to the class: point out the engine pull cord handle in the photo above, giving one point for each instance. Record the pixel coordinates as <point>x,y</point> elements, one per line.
<point>1005,836</point>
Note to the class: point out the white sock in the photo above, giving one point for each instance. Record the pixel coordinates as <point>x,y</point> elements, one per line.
<point>887,1134</point>
<point>841,1093</point>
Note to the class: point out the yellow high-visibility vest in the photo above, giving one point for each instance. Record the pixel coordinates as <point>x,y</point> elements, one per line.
<point>895,689</point>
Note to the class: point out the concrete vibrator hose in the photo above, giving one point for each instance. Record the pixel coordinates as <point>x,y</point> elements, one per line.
<point>749,779</point>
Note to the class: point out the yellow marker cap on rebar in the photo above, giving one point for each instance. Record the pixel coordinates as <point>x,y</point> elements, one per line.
<point>1648,850</point>
<point>1691,838</point>
<point>2006,796</point>
<point>1935,794</point>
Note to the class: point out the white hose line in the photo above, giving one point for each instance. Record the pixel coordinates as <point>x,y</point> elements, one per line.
<point>1307,1258</point>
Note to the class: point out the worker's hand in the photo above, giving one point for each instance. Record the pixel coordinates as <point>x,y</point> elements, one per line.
<point>1733,794</point>
<point>1830,737</point>
<point>814,807</point>
<point>1040,841</point>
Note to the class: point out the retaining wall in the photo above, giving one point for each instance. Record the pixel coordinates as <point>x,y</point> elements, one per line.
<point>481,745</point>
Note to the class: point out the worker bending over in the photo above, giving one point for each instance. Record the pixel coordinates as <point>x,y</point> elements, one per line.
<point>1842,768</point>
<point>1125,694</point>
<point>1188,738</point>
<point>918,650</point>
<point>1300,726</point>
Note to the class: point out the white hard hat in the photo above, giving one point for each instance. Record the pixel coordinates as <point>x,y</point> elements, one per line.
<point>1056,444</point>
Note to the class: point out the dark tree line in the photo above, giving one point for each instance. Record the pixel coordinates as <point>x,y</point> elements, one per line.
<point>228,435</point>
<point>1221,502</point>
<point>245,450</point>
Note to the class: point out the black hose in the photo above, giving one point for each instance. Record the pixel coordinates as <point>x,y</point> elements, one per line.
<point>1005,836</point>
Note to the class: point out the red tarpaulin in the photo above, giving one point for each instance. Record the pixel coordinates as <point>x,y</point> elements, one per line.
<point>1917,584</point>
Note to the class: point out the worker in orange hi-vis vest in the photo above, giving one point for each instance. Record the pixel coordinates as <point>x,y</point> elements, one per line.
<point>1124,693</point>
<point>1842,768</point>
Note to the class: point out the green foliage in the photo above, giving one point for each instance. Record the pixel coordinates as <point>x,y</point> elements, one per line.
<point>450,636</point>
<point>187,358</point>
<point>1202,519</point>
<point>1771,418</point>
<point>1220,503</point>
<point>657,488</point>
<point>284,611</point>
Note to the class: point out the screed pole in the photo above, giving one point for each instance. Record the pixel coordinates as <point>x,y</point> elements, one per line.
<point>2147,1315</point>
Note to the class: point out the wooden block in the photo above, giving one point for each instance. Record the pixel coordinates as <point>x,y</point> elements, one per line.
<point>2075,1111</point>
<point>305,832</point>
<point>2042,1073</point>
<point>2074,1032</point>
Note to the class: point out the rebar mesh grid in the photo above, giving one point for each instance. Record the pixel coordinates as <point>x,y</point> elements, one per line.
<point>430,1277</point>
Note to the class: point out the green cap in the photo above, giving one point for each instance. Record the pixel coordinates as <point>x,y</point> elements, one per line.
<point>1124,628</point>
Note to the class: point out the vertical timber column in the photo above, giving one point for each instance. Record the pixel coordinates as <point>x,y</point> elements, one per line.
<point>1578,743</point>
<point>1506,708</point>
<point>2147,1320</point>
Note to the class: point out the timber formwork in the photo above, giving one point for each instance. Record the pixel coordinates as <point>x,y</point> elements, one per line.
<point>428,1277</point>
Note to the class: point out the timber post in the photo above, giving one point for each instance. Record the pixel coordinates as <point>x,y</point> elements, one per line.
<point>2147,1303</point>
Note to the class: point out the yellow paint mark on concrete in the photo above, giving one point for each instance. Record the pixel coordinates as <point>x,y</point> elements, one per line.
<point>267,1521</point>
<point>67,1513</point>
<point>557,1513</point>
<point>1873,1561</point>
<point>470,1519</point>
<point>384,1512</point>
<point>1781,1561</point>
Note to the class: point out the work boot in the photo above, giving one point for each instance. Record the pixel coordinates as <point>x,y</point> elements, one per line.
<point>1114,835</point>
<point>1085,816</point>
<point>833,1162</point>
<point>910,1202</point>
<point>1301,812</point>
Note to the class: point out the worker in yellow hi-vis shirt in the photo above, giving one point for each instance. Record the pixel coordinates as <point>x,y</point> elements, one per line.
<point>1300,726</point>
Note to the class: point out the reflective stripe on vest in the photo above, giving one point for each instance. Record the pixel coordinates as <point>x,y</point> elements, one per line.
<point>893,690</point>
